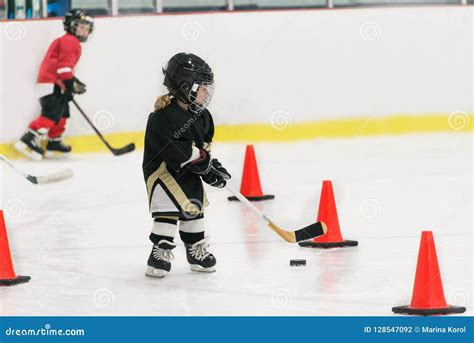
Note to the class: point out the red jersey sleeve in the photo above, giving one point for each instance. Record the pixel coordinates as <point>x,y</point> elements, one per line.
<point>69,53</point>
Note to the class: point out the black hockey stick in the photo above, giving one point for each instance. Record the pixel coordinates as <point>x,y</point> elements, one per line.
<point>308,232</point>
<point>117,152</point>
<point>39,180</point>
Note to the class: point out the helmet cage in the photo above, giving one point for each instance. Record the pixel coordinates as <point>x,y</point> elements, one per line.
<point>195,105</point>
<point>184,75</point>
<point>74,18</point>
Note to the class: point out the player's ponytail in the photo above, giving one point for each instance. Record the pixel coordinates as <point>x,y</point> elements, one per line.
<point>163,101</point>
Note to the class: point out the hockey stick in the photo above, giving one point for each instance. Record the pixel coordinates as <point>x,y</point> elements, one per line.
<point>117,152</point>
<point>308,232</point>
<point>38,180</point>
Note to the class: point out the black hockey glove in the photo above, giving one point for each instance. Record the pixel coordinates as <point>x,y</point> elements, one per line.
<point>202,165</point>
<point>73,86</point>
<point>79,87</point>
<point>214,179</point>
<point>68,91</point>
<point>220,169</point>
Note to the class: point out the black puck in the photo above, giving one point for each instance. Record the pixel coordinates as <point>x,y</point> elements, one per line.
<point>297,263</point>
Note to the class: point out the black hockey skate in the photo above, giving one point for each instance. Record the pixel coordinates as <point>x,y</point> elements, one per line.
<point>30,145</point>
<point>57,149</point>
<point>199,258</point>
<point>159,262</point>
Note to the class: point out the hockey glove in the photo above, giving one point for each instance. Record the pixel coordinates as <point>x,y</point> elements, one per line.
<point>73,86</point>
<point>68,89</point>
<point>202,165</point>
<point>79,87</point>
<point>214,178</point>
<point>220,169</point>
<point>209,174</point>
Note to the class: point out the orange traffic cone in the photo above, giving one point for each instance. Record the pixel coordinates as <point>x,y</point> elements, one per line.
<point>250,186</point>
<point>7,273</point>
<point>428,295</point>
<point>328,214</point>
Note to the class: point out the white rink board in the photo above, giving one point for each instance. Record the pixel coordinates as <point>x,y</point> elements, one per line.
<point>85,242</point>
<point>315,64</point>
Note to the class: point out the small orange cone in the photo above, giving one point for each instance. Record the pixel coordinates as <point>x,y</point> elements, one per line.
<point>328,214</point>
<point>428,295</point>
<point>250,186</point>
<point>7,273</point>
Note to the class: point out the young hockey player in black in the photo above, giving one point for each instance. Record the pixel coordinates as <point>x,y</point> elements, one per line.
<point>177,157</point>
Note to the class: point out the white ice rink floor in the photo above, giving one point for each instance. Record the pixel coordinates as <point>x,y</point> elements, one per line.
<point>85,242</point>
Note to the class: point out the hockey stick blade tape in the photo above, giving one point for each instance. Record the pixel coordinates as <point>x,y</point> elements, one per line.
<point>308,232</point>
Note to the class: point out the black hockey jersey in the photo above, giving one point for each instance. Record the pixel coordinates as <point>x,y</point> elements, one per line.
<point>170,135</point>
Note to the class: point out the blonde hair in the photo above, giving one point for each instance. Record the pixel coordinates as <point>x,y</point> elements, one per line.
<point>163,101</point>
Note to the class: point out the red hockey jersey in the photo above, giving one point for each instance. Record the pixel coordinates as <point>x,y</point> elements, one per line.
<point>59,62</point>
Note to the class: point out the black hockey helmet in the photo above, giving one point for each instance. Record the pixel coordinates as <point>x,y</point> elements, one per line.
<point>184,74</point>
<point>75,17</point>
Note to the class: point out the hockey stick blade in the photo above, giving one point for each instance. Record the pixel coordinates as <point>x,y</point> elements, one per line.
<point>51,178</point>
<point>125,150</point>
<point>117,152</point>
<point>308,232</point>
<point>311,231</point>
<point>55,177</point>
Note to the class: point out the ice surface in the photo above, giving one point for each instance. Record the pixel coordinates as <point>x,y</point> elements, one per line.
<point>85,242</point>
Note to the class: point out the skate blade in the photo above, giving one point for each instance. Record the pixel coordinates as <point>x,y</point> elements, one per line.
<point>56,155</point>
<point>23,149</point>
<point>200,269</point>
<point>154,272</point>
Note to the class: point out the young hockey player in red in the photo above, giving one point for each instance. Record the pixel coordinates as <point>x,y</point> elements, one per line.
<point>56,85</point>
<point>176,158</point>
